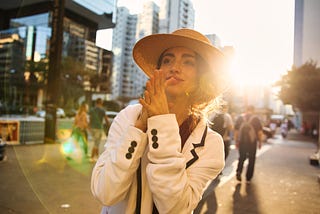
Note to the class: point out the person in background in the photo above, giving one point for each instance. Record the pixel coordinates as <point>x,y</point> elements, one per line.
<point>160,154</point>
<point>246,144</point>
<point>223,124</point>
<point>80,127</point>
<point>97,116</point>
<point>284,128</point>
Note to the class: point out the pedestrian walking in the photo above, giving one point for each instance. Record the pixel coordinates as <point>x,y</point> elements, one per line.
<point>80,128</point>
<point>221,122</point>
<point>97,116</point>
<point>248,135</point>
<point>160,154</point>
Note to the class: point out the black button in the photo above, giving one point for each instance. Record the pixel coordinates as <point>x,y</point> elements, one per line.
<point>131,150</point>
<point>134,143</point>
<point>154,131</point>
<point>128,155</point>
<point>154,138</point>
<point>155,145</point>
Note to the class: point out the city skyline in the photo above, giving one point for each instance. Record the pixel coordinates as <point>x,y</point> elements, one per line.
<point>260,31</point>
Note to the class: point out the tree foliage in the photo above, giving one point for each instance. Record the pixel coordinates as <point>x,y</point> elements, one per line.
<point>73,75</point>
<point>300,87</point>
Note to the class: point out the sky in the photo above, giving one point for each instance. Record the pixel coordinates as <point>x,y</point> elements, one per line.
<point>261,32</point>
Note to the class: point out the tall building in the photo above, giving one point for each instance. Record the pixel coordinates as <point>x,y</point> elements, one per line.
<point>123,39</point>
<point>127,80</point>
<point>175,14</point>
<point>215,40</point>
<point>12,60</point>
<point>148,20</point>
<point>306,31</point>
<point>31,22</point>
<point>147,24</point>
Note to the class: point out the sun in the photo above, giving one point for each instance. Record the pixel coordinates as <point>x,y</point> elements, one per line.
<point>248,72</point>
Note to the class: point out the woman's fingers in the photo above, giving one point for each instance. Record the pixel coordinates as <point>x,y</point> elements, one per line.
<point>162,80</point>
<point>146,101</point>
<point>156,81</point>
<point>147,97</point>
<point>149,86</point>
<point>155,100</point>
<point>143,103</point>
<point>159,81</point>
<point>152,80</point>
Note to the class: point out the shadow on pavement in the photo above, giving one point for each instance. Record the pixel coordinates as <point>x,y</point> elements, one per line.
<point>245,199</point>
<point>209,199</point>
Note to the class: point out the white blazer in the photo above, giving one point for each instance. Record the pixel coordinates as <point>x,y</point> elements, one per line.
<point>173,179</point>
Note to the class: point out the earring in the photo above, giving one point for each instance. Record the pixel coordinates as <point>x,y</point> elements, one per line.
<point>187,94</point>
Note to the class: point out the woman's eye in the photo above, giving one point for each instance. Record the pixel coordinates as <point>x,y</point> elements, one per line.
<point>165,61</point>
<point>189,63</point>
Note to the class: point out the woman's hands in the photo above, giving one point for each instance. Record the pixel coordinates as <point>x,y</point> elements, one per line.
<point>141,122</point>
<point>155,101</point>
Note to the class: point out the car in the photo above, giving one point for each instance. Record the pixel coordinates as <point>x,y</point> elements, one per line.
<point>111,115</point>
<point>71,112</point>
<point>267,132</point>
<point>60,113</point>
<point>133,102</point>
<point>41,113</point>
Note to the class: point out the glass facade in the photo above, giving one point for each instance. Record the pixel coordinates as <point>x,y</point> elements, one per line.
<point>25,47</point>
<point>34,29</point>
<point>98,6</point>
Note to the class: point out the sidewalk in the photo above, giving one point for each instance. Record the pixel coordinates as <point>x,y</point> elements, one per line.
<point>283,182</point>
<point>38,179</point>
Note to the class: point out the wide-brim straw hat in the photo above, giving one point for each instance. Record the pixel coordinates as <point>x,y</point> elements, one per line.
<point>147,51</point>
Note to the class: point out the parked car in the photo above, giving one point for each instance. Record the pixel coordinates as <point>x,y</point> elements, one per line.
<point>267,132</point>
<point>132,102</point>
<point>60,113</point>
<point>71,112</point>
<point>111,115</point>
<point>41,113</point>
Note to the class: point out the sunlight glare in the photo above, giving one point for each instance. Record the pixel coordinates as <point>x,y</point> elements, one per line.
<point>261,33</point>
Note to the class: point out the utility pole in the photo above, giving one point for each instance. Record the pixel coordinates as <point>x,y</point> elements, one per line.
<point>53,85</point>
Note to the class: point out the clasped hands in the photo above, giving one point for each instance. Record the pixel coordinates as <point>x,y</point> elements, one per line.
<point>155,100</point>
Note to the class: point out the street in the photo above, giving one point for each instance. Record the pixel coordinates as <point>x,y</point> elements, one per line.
<point>38,179</point>
<point>283,182</point>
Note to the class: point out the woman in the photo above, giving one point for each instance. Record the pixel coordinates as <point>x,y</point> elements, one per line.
<point>81,124</point>
<point>160,154</point>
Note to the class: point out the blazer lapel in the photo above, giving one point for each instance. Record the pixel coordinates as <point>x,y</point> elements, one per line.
<point>195,140</point>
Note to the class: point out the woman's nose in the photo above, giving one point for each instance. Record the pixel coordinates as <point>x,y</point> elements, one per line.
<point>176,67</point>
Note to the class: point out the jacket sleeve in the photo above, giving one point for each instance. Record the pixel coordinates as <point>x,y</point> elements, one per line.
<point>112,175</point>
<point>177,189</point>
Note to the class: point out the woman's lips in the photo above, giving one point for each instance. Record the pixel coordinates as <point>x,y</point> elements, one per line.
<point>173,80</point>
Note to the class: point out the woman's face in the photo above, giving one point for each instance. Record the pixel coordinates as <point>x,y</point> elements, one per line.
<point>180,67</point>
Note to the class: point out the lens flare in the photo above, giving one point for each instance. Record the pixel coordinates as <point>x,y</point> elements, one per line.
<point>75,147</point>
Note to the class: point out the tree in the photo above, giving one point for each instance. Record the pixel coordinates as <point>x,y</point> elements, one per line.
<point>37,76</point>
<point>73,75</point>
<point>300,87</point>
